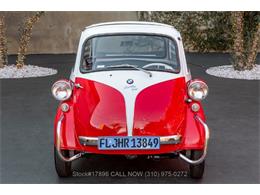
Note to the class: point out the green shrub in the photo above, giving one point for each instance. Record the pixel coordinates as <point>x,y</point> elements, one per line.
<point>203,31</point>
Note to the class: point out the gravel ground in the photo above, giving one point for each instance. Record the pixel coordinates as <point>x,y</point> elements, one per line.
<point>26,71</point>
<point>227,71</point>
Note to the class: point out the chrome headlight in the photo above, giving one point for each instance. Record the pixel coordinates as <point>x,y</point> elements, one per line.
<point>61,90</point>
<point>198,90</point>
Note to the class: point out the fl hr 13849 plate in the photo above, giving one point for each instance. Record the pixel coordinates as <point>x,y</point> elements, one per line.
<point>129,143</point>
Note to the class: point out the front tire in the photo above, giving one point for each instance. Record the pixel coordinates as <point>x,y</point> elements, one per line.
<point>196,171</point>
<point>62,167</point>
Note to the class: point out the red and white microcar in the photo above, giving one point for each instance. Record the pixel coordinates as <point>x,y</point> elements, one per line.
<point>130,93</point>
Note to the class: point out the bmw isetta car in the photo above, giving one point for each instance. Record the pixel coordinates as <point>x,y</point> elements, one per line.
<point>130,93</point>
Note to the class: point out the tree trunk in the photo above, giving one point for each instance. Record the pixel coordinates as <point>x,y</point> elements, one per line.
<point>250,63</point>
<point>244,54</point>
<point>3,43</point>
<point>25,36</point>
<point>238,47</point>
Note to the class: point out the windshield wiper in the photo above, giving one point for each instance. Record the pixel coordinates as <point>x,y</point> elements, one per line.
<point>131,66</point>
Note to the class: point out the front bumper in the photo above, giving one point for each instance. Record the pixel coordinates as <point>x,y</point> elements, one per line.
<point>92,141</point>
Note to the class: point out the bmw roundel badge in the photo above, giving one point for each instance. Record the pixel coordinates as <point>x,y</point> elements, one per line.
<point>130,81</point>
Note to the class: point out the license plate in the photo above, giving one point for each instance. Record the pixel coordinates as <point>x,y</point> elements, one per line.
<point>129,143</point>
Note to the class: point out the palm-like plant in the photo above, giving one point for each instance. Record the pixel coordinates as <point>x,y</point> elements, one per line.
<point>245,48</point>
<point>25,36</point>
<point>3,43</point>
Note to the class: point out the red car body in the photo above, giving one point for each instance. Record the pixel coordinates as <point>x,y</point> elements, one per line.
<point>172,116</point>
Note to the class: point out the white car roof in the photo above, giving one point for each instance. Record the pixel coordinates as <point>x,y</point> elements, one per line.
<point>130,27</point>
<point>125,27</point>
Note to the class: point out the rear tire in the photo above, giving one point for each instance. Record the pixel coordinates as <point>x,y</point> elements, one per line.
<point>196,171</point>
<point>62,167</point>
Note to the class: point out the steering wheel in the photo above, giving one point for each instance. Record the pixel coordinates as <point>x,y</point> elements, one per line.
<point>166,67</point>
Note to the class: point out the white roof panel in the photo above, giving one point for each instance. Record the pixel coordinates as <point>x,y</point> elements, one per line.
<point>130,27</point>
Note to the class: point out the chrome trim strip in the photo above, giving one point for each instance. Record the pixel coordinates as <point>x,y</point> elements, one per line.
<point>93,141</point>
<point>58,133</point>
<point>174,139</point>
<point>88,141</point>
<point>202,158</point>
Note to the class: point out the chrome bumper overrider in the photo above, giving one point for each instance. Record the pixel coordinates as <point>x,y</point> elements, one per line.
<point>58,143</point>
<point>202,158</point>
<point>93,141</point>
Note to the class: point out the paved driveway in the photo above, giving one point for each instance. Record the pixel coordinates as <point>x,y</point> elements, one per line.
<point>27,113</point>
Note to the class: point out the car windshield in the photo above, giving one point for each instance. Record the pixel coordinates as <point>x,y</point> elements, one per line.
<point>147,52</point>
